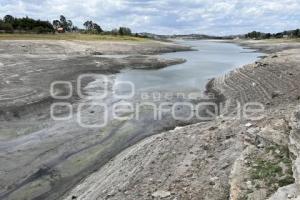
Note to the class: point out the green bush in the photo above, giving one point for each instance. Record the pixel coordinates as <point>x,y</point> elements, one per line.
<point>6,27</point>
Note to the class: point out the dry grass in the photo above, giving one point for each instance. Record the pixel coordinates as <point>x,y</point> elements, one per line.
<point>69,36</point>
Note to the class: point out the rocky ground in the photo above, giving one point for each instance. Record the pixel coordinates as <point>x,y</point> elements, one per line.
<point>233,157</point>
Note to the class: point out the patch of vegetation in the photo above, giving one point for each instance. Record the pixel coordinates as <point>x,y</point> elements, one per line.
<point>21,28</point>
<point>10,24</point>
<point>266,170</point>
<point>272,169</point>
<point>286,181</point>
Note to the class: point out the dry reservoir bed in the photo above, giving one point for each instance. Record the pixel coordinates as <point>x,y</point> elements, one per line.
<point>227,158</point>
<point>41,158</point>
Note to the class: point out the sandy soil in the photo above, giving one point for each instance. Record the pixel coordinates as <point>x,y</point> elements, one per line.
<point>229,158</point>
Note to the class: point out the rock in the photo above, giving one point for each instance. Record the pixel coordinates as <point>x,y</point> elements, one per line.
<point>248,125</point>
<point>211,183</point>
<point>111,194</point>
<point>225,165</point>
<point>297,115</point>
<point>276,93</point>
<point>178,128</point>
<point>214,178</point>
<point>161,194</point>
<point>96,53</point>
<point>253,131</point>
<point>286,192</point>
<point>212,128</point>
<point>261,145</point>
<point>249,184</point>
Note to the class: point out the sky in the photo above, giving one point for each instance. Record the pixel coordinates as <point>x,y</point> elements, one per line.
<point>213,17</point>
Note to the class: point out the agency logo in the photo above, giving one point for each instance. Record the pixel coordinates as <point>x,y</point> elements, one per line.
<point>103,99</point>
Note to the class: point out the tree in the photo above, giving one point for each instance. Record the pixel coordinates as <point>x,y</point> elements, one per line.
<point>255,35</point>
<point>268,36</point>
<point>75,29</point>
<point>88,25</point>
<point>279,35</point>
<point>25,24</point>
<point>92,27</point>
<point>115,31</point>
<point>62,19</point>
<point>63,22</point>
<point>69,25</point>
<point>8,19</point>
<point>6,27</point>
<point>296,33</point>
<point>124,31</point>
<point>97,28</point>
<point>56,24</point>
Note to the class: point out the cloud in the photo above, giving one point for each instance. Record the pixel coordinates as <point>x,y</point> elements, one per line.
<point>167,16</point>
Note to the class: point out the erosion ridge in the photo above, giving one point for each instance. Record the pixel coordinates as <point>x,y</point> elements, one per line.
<point>230,157</point>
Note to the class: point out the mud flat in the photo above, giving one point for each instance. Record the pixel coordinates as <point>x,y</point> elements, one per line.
<point>28,67</point>
<point>42,158</point>
<point>231,157</point>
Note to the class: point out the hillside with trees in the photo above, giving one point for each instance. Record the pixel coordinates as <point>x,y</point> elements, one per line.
<point>10,24</point>
<point>284,34</point>
<point>65,24</point>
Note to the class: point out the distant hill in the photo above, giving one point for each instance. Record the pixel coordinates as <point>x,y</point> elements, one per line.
<point>252,35</point>
<point>196,37</point>
<point>186,37</point>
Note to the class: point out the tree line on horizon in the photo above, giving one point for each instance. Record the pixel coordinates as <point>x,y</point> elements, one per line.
<point>10,24</point>
<point>284,34</point>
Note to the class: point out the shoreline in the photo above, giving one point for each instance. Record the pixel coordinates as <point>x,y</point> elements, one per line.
<point>229,146</point>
